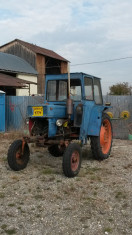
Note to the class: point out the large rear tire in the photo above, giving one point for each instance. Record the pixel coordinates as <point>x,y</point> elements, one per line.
<point>16,159</point>
<point>72,160</point>
<point>101,145</point>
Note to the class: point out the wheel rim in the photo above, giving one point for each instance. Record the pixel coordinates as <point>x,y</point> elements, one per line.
<point>19,157</point>
<point>105,136</point>
<point>74,160</point>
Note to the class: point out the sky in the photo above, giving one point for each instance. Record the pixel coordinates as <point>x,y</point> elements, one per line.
<point>82,31</point>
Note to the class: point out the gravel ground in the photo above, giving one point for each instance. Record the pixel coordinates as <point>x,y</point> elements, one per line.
<point>40,200</point>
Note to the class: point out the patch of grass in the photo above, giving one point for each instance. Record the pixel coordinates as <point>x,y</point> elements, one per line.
<point>95,193</point>
<point>89,200</point>
<point>93,170</point>
<point>120,195</point>
<point>38,196</point>
<point>95,178</point>
<point>3,226</point>
<point>4,159</point>
<point>58,181</point>
<point>2,195</point>
<point>3,186</point>
<point>11,231</point>
<point>48,171</point>
<point>110,220</point>
<point>38,216</point>
<point>67,209</point>
<point>11,204</point>
<point>108,230</point>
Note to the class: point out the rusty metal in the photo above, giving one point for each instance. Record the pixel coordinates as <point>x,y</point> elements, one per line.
<point>69,105</point>
<point>23,145</point>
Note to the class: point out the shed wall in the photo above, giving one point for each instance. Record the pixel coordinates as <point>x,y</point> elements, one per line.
<point>31,89</point>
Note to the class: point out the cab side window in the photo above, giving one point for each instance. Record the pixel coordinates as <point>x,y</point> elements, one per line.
<point>97,92</point>
<point>88,84</point>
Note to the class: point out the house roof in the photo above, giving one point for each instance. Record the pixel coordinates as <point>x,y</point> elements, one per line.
<point>12,63</point>
<point>37,49</point>
<point>10,81</point>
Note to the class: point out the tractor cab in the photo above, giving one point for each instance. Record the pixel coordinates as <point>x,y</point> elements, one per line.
<point>58,109</point>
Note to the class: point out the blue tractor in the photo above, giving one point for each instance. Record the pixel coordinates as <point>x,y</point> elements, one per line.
<point>72,113</point>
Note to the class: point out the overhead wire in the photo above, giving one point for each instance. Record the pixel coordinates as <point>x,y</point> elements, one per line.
<point>94,62</point>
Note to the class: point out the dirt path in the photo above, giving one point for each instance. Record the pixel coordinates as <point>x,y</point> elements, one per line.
<point>41,200</point>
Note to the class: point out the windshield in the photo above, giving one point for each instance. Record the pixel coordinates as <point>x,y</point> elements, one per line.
<point>57,90</point>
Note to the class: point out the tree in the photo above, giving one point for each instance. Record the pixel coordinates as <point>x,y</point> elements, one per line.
<point>120,89</point>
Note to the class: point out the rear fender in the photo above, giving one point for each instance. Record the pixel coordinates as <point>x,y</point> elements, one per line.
<point>95,120</point>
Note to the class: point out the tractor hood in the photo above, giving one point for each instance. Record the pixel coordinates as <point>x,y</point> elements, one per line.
<point>47,110</point>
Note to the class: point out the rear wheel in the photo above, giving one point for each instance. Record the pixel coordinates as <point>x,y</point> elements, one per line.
<point>72,160</point>
<point>101,145</point>
<point>16,159</point>
<point>56,150</point>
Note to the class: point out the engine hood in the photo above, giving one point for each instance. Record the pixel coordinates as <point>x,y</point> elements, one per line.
<point>47,110</point>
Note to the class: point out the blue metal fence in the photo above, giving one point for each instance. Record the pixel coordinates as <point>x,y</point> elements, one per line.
<point>2,111</point>
<point>121,127</point>
<point>16,107</point>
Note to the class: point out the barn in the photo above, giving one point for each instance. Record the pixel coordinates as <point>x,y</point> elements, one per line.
<point>43,60</point>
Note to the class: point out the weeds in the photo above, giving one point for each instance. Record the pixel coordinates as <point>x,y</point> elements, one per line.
<point>108,230</point>
<point>38,196</point>
<point>11,204</point>
<point>2,195</point>
<point>3,226</point>
<point>47,171</point>
<point>10,231</point>
<point>120,195</point>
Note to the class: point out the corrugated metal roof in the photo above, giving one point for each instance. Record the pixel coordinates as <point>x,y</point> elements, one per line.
<point>38,50</point>
<point>15,64</point>
<point>10,81</point>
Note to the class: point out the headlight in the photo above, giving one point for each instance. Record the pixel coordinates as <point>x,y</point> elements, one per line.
<point>59,122</point>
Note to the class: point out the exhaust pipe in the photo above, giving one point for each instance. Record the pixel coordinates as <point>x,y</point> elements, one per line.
<point>69,103</point>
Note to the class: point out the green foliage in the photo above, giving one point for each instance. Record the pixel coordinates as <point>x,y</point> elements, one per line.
<point>120,89</point>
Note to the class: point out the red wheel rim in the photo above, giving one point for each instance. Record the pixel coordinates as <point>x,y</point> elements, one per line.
<point>105,136</point>
<point>19,156</point>
<point>74,160</point>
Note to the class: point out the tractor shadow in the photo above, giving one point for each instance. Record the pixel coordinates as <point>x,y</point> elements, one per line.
<point>87,153</point>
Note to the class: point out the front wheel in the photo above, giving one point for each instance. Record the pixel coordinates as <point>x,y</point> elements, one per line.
<point>101,145</point>
<point>72,160</point>
<point>16,159</point>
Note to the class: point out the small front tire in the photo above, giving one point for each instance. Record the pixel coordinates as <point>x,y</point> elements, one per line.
<point>16,159</point>
<point>72,160</point>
